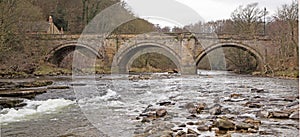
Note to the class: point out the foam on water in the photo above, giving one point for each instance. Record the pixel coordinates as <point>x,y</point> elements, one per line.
<point>33,107</point>
<point>110,98</point>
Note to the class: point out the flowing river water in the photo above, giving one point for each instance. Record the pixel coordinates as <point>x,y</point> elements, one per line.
<point>113,105</point>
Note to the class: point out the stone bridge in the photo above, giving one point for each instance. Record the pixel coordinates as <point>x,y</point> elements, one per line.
<point>186,50</point>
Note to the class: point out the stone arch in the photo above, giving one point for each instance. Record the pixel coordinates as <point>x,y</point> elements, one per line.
<point>125,58</point>
<point>57,54</point>
<point>259,58</point>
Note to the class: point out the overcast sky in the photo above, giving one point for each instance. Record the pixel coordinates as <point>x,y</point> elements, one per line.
<point>176,12</point>
<point>220,9</point>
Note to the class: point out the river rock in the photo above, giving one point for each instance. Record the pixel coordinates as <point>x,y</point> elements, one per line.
<point>182,125</point>
<point>262,114</point>
<point>242,125</point>
<point>252,121</point>
<point>161,112</point>
<point>224,124</point>
<point>257,90</point>
<point>295,103</point>
<point>191,116</point>
<point>203,128</point>
<point>253,105</point>
<point>225,110</point>
<point>22,93</point>
<point>235,95</point>
<point>167,134</point>
<point>215,110</point>
<point>36,83</point>
<point>181,134</point>
<point>191,131</point>
<point>145,120</point>
<point>164,103</point>
<point>278,114</point>
<point>290,98</point>
<point>7,85</point>
<point>190,123</point>
<point>191,107</point>
<point>200,107</point>
<point>294,115</point>
<point>250,130</point>
<point>191,135</point>
<point>58,87</point>
<point>8,102</point>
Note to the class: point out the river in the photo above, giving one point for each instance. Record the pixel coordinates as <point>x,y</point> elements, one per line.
<point>112,105</point>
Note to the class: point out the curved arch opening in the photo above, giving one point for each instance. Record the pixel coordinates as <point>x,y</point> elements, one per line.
<point>62,56</point>
<point>131,56</point>
<point>238,58</point>
<point>152,62</point>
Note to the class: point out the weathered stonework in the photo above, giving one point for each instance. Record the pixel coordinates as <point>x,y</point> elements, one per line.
<point>185,50</point>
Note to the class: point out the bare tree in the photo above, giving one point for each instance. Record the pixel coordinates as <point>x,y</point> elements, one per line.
<point>247,19</point>
<point>14,15</point>
<point>289,14</point>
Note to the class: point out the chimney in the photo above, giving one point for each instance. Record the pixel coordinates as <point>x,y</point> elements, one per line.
<point>50,20</point>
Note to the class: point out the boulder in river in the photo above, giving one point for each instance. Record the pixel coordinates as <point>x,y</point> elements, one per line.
<point>200,107</point>
<point>279,114</point>
<point>203,128</point>
<point>191,131</point>
<point>180,134</point>
<point>36,83</point>
<point>145,120</point>
<point>9,102</point>
<point>243,125</point>
<point>161,112</point>
<point>294,115</point>
<point>58,87</point>
<point>262,114</point>
<point>235,95</point>
<point>258,90</point>
<point>164,103</point>
<point>216,109</point>
<point>224,124</point>
<point>22,93</point>
<point>253,105</point>
<point>252,121</point>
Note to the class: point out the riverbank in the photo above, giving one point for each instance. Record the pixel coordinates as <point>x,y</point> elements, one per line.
<point>287,74</point>
<point>51,70</point>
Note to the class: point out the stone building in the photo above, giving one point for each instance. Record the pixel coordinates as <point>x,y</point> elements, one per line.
<point>43,27</point>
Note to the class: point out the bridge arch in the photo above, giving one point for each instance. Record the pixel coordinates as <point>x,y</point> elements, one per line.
<point>124,59</point>
<point>56,55</point>
<point>258,57</point>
